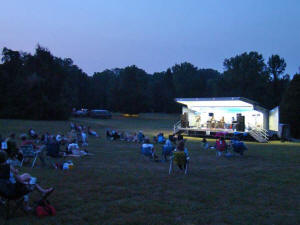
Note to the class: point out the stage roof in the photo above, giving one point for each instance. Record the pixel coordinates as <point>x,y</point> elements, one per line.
<point>220,102</point>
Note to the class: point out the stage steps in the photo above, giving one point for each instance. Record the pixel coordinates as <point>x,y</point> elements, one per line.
<point>259,134</point>
<point>177,127</point>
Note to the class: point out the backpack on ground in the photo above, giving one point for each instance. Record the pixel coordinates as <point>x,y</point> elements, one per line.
<point>45,209</point>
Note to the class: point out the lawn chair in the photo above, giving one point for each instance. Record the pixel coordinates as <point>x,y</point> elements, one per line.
<point>147,152</point>
<point>167,151</point>
<point>179,158</point>
<point>29,153</point>
<point>53,153</point>
<point>9,195</point>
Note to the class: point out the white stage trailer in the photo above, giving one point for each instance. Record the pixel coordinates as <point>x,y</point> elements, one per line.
<point>228,113</point>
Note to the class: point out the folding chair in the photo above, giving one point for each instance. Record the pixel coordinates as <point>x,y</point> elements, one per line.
<point>53,155</point>
<point>177,157</point>
<point>8,195</point>
<point>147,152</point>
<point>29,152</point>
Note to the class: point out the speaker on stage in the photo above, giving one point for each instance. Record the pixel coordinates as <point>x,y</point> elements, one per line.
<point>240,123</point>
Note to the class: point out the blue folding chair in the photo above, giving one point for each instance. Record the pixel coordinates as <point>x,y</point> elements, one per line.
<point>147,152</point>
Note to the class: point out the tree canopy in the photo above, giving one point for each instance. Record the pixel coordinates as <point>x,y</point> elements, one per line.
<point>42,86</point>
<point>290,106</point>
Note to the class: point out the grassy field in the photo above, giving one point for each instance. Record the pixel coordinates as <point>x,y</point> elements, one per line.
<point>118,186</point>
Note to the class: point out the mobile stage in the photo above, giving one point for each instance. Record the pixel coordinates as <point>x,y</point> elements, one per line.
<point>229,116</point>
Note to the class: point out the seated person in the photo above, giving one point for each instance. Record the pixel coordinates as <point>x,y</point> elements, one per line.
<point>168,143</point>
<point>205,144</point>
<point>72,126</point>
<point>238,146</point>
<point>92,132</point>
<point>79,128</point>
<point>155,139</point>
<point>115,135</point>
<point>160,138</point>
<point>181,155</point>
<point>179,137</point>
<point>122,136</point>
<point>72,135</point>
<point>25,141</point>
<point>221,146</point>
<point>172,139</point>
<point>128,137</point>
<point>45,138</point>
<point>147,146</point>
<point>58,138</point>
<point>53,148</point>
<point>73,147</point>
<point>84,138</point>
<point>32,133</point>
<point>140,137</point>
<point>134,137</point>
<point>3,143</point>
<point>167,149</point>
<point>108,134</point>
<point>13,185</point>
<point>12,148</point>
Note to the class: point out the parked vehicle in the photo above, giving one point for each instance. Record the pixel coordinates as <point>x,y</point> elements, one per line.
<point>80,113</point>
<point>103,114</point>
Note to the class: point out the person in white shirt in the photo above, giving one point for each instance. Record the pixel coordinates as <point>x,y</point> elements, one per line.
<point>73,147</point>
<point>147,145</point>
<point>58,138</point>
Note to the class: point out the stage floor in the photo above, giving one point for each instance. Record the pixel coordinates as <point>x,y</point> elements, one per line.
<point>204,129</point>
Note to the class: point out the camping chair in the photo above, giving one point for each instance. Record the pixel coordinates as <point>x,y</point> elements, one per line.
<point>53,151</point>
<point>8,195</point>
<point>167,151</point>
<point>29,152</point>
<point>179,158</point>
<point>147,152</point>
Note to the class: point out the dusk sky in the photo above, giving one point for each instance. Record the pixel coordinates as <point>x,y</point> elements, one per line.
<point>153,34</point>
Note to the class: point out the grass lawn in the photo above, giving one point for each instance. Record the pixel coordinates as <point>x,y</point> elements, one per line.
<point>118,186</point>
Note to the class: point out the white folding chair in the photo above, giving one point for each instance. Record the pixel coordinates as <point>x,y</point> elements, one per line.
<point>29,153</point>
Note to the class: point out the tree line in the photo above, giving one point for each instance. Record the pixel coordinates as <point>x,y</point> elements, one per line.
<point>42,86</point>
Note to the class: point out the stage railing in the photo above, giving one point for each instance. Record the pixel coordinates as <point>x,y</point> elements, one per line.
<point>177,126</point>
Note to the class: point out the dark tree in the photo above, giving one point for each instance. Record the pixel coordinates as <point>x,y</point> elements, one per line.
<point>245,75</point>
<point>276,67</point>
<point>290,106</point>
